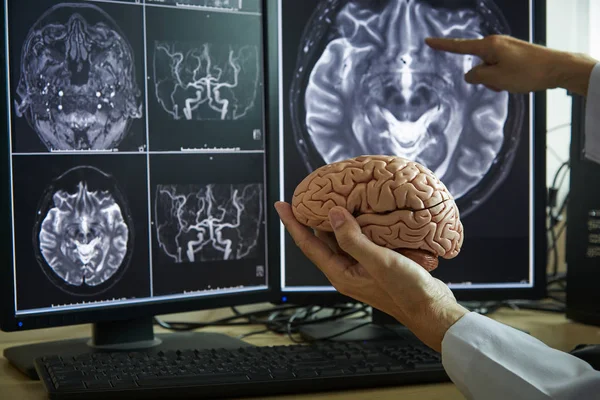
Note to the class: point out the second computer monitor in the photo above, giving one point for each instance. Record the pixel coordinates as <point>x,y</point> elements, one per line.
<point>356,78</point>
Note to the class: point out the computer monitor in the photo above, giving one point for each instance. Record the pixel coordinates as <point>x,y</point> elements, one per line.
<point>133,167</point>
<point>355,77</point>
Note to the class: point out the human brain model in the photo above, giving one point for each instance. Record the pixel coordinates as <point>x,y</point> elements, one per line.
<point>398,203</point>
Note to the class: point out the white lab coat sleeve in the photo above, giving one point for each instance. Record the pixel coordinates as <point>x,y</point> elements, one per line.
<point>489,360</point>
<point>592,117</point>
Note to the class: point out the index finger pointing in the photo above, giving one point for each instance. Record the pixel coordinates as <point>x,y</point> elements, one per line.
<point>458,46</point>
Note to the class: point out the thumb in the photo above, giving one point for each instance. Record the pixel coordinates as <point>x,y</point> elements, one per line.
<point>484,74</point>
<point>351,240</point>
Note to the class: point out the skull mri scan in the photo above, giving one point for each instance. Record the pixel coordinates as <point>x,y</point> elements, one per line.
<point>77,86</point>
<point>366,83</point>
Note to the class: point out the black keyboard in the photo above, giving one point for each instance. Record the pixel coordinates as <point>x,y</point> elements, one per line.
<point>249,371</point>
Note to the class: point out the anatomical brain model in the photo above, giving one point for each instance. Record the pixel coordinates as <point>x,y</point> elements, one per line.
<point>399,204</point>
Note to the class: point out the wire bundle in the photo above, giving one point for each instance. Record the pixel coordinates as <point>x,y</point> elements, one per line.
<point>282,320</point>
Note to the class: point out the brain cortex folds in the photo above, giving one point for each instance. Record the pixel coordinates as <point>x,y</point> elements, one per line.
<point>197,223</point>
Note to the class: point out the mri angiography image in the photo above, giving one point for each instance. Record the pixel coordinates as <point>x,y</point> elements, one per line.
<point>209,222</point>
<point>77,86</point>
<point>204,81</point>
<point>83,232</point>
<point>365,83</point>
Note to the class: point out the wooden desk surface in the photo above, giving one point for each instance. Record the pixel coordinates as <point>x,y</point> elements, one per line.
<point>553,329</point>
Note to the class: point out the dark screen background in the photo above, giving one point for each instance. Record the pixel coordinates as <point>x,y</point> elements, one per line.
<point>496,244</point>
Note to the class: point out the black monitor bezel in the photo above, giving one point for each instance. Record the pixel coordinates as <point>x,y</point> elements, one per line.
<point>9,322</point>
<point>538,291</point>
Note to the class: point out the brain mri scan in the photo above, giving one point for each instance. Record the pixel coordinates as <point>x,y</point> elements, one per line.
<point>208,222</point>
<point>84,232</point>
<point>365,83</point>
<point>399,204</point>
<point>77,86</point>
<point>202,81</point>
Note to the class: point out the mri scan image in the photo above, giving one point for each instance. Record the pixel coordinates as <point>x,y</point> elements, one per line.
<point>203,81</point>
<point>365,83</point>
<point>84,231</point>
<point>77,86</point>
<point>197,223</point>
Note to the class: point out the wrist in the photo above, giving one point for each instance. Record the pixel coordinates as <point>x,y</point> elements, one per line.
<point>572,71</point>
<point>433,321</point>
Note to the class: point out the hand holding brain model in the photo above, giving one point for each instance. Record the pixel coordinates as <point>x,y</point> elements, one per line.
<point>399,204</point>
<point>391,219</point>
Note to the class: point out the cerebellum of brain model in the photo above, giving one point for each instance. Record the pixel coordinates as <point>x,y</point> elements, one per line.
<point>77,86</point>
<point>84,232</point>
<point>365,82</point>
<point>399,204</point>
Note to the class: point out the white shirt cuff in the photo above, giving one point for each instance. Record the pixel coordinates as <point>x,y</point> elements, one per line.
<point>489,360</point>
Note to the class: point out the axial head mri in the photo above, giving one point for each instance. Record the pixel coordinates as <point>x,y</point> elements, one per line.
<point>77,86</point>
<point>365,82</point>
<point>84,232</point>
<point>399,204</point>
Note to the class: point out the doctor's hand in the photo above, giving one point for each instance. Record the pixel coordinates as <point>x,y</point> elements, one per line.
<point>380,277</point>
<point>520,67</point>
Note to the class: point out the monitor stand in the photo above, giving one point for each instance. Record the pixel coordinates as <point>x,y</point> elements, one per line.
<point>130,335</point>
<point>380,326</point>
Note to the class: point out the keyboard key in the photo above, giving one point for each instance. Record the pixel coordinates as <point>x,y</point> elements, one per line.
<point>259,371</point>
<point>340,357</point>
<point>69,376</point>
<point>314,364</point>
<point>305,373</point>
<point>332,372</point>
<point>61,369</point>
<point>123,383</point>
<point>145,375</point>
<point>98,384</point>
<point>283,375</point>
<point>260,377</point>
